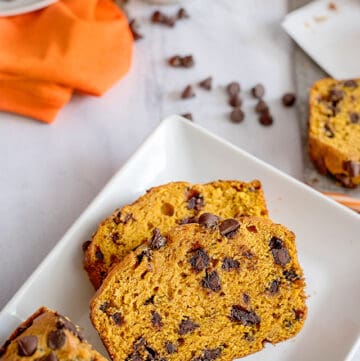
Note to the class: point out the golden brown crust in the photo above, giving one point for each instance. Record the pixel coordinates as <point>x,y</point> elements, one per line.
<point>334,129</point>
<point>47,336</point>
<point>224,293</point>
<point>163,207</point>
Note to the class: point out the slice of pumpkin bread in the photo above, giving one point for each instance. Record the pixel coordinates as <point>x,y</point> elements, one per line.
<point>163,207</point>
<point>213,290</point>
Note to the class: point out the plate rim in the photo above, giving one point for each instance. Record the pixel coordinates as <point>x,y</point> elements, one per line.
<point>27,8</point>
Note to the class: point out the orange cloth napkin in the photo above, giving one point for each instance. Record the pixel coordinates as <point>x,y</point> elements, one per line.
<point>72,45</point>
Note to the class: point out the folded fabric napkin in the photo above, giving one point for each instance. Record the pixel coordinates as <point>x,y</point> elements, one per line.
<point>72,45</point>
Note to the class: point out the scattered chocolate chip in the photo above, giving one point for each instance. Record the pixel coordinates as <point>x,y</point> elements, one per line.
<point>237,115</point>
<point>115,237</point>
<point>85,245</point>
<point>299,315</point>
<point>208,220</point>
<point>27,345</point>
<point>354,118</point>
<point>242,315</point>
<point>291,275</point>
<point>246,298</point>
<point>261,107</point>
<point>233,88</point>
<point>99,255</point>
<point>56,339</point>
<point>279,251</point>
<point>188,93</point>
<point>345,180</point>
<point>274,287</point>
<point>134,30</point>
<point>159,18</point>
<point>229,227</point>
<point>117,318</point>
<point>170,347</point>
<point>182,14</point>
<point>188,116</point>
<point>157,241</point>
<point>351,83</point>
<point>103,307</point>
<point>211,354</point>
<point>320,165</point>
<point>230,264</point>
<point>206,83</point>
<point>235,101</point>
<point>186,326</point>
<point>188,61</point>
<point>258,91</point>
<point>352,168</point>
<point>196,201</point>
<point>335,95</point>
<point>328,130</point>
<point>289,99</point>
<point>211,281</point>
<point>200,260</point>
<point>156,319</point>
<point>266,119</point>
<point>178,61</point>
<point>188,220</point>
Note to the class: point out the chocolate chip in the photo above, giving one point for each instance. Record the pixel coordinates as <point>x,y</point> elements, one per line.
<point>170,347</point>
<point>299,315</point>
<point>248,337</point>
<point>188,116</point>
<point>156,319</point>
<point>208,220</point>
<point>68,325</point>
<point>242,315</point>
<point>211,354</point>
<point>188,220</point>
<point>85,245</point>
<point>157,241</point>
<point>152,353</point>
<point>188,93</point>
<point>291,275</point>
<point>351,167</point>
<point>103,307</point>
<point>233,88</point>
<point>175,61</point>
<point>279,251</point>
<point>229,227</point>
<point>50,357</point>
<point>27,345</point>
<point>335,95</point>
<point>182,14</point>
<point>196,201</point>
<point>178,61</point>
<point>99,255</point>
<point>345,180</point>
<point>159,18</point>
<point>200,260</point>
<point>186,326</point>
<point>320,165</point>
<point>289,99</point>
<point>274,287</point>
<point>56,339</point>
<point>230,264</point>
<point>246,298</point>
<point>134,30</point>
<point>211,281</point>
<point>251,228</point>
<point>206,83</point>
<point>150,300</point>
<point>139,343</point>
<point>188,61</point>
<point>235,101</point>
<point>237,115</point>
<point>134,357</point>
<point>258,91</point>
<point>117,318</point>
<point>354,118</point>
<point>351,83</point>
<point>266,119</point>
<point>115,237</point>
<point>328,131</point>
<point>261,107</point>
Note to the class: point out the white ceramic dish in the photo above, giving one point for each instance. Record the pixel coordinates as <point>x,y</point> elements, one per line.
<point>330,37</point>
<point>327,238</point>
<point>16,7</point>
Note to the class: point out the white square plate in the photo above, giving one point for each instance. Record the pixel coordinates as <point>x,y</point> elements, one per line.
<point>17,7</point>
<point>330,37</point>
<point>327,239</point>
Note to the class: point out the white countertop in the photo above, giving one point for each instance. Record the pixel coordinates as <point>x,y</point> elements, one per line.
<point>49,173</point>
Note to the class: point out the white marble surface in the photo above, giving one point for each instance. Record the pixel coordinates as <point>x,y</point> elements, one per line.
<point>48,174</point>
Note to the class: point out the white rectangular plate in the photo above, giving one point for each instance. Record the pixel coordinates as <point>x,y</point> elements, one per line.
<point>330,37</point>
<point>327,239</point>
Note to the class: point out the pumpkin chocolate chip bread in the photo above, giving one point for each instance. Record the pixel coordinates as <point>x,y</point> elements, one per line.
<point>213,290</point>
<point>334,129</point>
<point>163,207</point>
<point>47,336</point>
